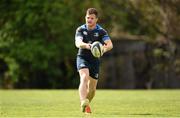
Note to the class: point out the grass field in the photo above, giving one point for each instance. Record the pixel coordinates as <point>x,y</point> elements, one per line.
<point>107,103</point>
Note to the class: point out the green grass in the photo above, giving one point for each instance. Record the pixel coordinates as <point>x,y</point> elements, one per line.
<point>107,103</point>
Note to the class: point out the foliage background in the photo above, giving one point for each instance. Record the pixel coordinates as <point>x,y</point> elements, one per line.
<point>37,37</point>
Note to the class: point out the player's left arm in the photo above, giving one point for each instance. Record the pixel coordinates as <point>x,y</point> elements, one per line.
<point>107,45</point>
<point>107,41</point>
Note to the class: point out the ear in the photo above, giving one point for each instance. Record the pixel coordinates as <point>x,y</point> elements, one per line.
<point>96,19</point>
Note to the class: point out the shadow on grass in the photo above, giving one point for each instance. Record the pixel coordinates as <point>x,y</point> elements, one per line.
<point>146,114</point>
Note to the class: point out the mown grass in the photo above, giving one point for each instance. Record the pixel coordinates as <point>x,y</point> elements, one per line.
<point>107,103</point>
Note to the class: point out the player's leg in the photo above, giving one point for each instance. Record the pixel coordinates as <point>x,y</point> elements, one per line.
<point>82,67</point>
<point>93,79</point>
<point>92,83</point>
<point>84,76</point>
<point>83,86</point>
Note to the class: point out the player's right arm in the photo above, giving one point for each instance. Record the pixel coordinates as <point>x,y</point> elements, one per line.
<point>79,41</point>
<point>80,44</point>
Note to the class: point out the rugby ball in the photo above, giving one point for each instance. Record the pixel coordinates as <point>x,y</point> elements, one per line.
<point>97,49</point>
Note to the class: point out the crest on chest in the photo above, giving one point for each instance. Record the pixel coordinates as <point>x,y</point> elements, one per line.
<point>96,34</point>
<point>85,33</point>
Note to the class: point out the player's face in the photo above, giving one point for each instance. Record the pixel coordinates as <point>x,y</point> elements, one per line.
<point>91,20</point>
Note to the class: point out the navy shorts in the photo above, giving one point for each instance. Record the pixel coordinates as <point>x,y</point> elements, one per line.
<point>92,65</point>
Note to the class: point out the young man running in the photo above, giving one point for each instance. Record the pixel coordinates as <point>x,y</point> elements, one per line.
<point>87,64</point>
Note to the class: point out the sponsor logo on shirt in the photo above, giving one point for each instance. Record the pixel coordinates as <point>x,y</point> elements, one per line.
<point>84,32</point>
<point>96,34</point>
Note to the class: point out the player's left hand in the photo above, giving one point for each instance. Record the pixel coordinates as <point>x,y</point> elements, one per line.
<point>104,49</point>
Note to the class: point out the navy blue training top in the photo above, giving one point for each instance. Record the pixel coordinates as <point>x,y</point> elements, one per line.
<point>90,36</point>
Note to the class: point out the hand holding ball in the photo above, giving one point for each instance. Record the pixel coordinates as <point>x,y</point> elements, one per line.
<point>97,49</point>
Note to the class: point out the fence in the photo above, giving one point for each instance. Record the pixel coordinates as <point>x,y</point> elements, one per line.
<point>136,64</point>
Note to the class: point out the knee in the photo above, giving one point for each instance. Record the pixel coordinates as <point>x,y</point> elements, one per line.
<point>84,78</point>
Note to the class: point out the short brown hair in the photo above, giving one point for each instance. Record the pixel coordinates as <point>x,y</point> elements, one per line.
<point>92,11</point>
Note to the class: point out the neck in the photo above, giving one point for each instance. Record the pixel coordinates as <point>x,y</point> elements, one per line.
<point>91,27</point>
